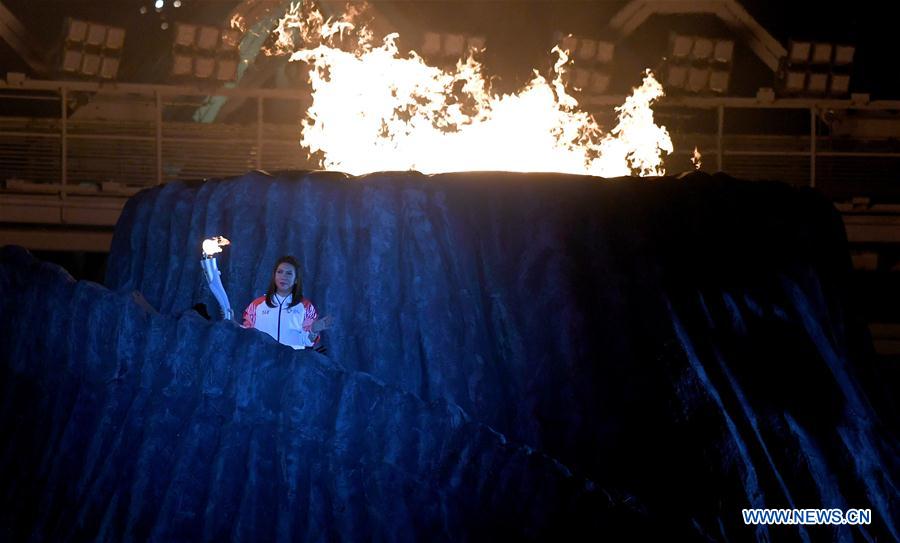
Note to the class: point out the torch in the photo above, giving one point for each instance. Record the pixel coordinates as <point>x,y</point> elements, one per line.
<point>210,267</point>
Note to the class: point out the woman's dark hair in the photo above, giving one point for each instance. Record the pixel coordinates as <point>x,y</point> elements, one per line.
<point>296,291</point>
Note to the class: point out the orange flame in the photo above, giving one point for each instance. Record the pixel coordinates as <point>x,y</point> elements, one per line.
<point>238,22</point>
<point>695,160</point>
<point>374,110</point>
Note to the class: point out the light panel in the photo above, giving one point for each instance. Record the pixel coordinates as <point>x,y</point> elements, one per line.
<point>580,78</point>
<point>600,81</point>
<point>207,38</point>
<point>587,49</point>
<point>115,38</point>
<point>76,31</point>
<point>800,52</point>
<point>71,61</point>
<point>568,43</point>
<point>718,81</point>
<point>682,46</point>
<point>90,64</point>
<point>723,51</point>
<point>605,52</point>
<point>454,45</point>
<point>109,67</point>
<point>226,69</point>
<point>843,55</point>
<point>476,42</point>
<point>96,35</point>
<point>185,35</point>
<point>795,81</point>
<point>698,79</point>
<point>703,49</point>
<point>822,53</point>
<point>431,43</point>
<point>182,65</point>
<point>676,77</point>
<point>204,67</point>
<point>817,83</point>
<point>840,84</point>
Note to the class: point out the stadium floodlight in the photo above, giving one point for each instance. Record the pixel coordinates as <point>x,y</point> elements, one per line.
<point>450,46</point>
<point>590,73</point>
<point>586,51</point>
<point>205,53</point>
<point>699,64</point>
<point>817,69</point>
<point>91,49</point>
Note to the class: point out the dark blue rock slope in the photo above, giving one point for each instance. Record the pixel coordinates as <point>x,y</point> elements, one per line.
<point>119,423</point>
<point>687,346</point>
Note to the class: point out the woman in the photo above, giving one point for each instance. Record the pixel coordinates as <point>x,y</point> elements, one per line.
<point>283,312</point>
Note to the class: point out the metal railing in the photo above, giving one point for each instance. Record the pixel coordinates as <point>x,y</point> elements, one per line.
<point>158,146</point>
<point>807,153</point>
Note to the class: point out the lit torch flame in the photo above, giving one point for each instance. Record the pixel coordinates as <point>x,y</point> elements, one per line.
<point>214,245</point>
<point>373,110</point>
<point>695,160</point>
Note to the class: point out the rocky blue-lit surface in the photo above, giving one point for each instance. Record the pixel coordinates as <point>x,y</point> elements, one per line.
<point>513,355</point>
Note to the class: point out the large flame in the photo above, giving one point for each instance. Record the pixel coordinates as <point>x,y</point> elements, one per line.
<point>373,110</point>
